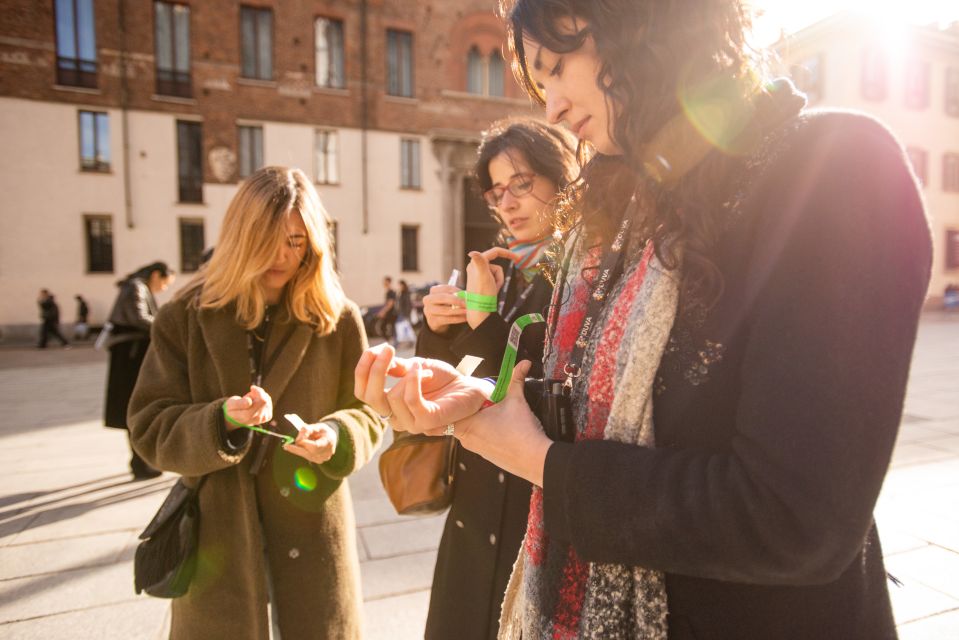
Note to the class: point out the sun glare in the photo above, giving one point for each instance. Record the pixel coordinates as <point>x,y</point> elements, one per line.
<point>780,17</point>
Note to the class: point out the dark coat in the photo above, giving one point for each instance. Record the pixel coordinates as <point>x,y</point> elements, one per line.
<point>487,520</point>
<point>294,515</point>
<point>776,414</point>
<point>131,318</point>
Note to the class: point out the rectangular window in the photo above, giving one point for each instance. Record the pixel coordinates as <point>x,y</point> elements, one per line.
<point>191,244</point>
<point>919,159</point>
<point>917,84</point>
<point>327,157</point>
<point>410,249</point>
<point>952,91</point>
<point>189,139</point>
<point>99,239</point>
<point>410,164</point>
<point>874,81</point>
<point>256,43</point>
<point>94,141</point>
<point>172,37</point>
<point>952,249</point>
<point>329,53</point>
<point>399,63</point>
<point>950,172</point>
<point>251,149</point>
<point>808,77</point>
<point>76,43</point>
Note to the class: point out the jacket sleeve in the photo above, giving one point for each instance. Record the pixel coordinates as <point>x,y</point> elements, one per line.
<point>360,428</point>
<point>167,428</point>
<point>837,279</point>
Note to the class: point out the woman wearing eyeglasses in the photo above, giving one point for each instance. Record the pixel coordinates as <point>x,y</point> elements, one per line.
<point>521,166</point>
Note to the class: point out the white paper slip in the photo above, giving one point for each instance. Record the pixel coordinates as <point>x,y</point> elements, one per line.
<point>296,421</point>
<point>468,365</point>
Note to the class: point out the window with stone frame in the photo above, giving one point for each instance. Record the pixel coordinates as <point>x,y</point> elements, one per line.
<point>874,80</point>
<point>330,72</point>
<point>172,49</point>
<point>256,43</point>
<point>950,172</point>
<point>192,243</point>
<point>952,91</point>
<point>250,140</point>
<point>327,156</point>
<point>917,84</point>
<point>409,163</point>
<point>98,232</point>
<point>76,43</point>
<point>189,137</point>
<point>399,63</point>
<point>410,247</point>
<point>94,141</point>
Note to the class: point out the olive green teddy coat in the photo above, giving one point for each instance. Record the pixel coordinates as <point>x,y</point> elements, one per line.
<point>197,359</point>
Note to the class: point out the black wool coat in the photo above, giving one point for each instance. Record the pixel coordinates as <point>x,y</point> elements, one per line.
<point>777,412</point>
<point>487,519</point>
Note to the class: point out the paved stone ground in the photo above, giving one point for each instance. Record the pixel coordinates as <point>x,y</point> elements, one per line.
<point>69,514</point>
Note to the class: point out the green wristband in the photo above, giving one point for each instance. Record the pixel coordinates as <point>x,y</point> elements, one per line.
<point>286,439</point>
<point>478,301</point>
<point>509,356</point>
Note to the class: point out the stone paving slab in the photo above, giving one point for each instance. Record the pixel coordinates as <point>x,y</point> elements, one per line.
<point>140,619</point>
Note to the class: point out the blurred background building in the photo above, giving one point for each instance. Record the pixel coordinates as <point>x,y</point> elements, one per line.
<point>128,126</point>
<point>908,77</point>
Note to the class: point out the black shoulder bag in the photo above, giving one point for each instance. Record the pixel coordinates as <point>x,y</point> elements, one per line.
<point>165,560</point>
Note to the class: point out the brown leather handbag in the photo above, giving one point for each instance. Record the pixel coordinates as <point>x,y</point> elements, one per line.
<point>417,472</point>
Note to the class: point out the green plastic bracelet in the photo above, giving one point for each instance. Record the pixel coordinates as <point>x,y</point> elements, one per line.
<point>509,356</point>
<point>286,439</point>
<point>478,301</point>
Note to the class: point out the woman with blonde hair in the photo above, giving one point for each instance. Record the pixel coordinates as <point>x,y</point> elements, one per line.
<point>263,330</point>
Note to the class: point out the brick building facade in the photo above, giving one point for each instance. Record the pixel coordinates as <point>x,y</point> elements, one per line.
<point>129,124</point>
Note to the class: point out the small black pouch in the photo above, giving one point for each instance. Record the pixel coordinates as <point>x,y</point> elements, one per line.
<point>549,400</point>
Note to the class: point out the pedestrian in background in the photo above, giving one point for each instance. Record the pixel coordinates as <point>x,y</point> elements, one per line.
<point>81,328</point>
<point>131,319</point>
<point>386,316</point>
<point>404,312</point>
<point>49,319</point>
<point>263,330</point>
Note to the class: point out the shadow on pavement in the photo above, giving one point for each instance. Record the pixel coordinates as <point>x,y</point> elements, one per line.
<point>28,518</point>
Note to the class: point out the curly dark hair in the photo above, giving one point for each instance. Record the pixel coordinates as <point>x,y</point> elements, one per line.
<point>549,150</point>
<point>652,53</point>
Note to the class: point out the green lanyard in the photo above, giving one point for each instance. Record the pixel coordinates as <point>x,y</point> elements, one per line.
<point>509,356</point>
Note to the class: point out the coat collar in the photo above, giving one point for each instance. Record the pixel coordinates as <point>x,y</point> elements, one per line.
<point>229,351</point>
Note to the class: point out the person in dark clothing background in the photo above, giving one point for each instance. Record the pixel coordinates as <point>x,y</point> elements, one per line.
<point>49,319</point>
<point>520,167</point>
<point>81,327</point>
<point>130,322</point>
<point>386,316</point>
<point>735,327</point>
<point>404,312</point>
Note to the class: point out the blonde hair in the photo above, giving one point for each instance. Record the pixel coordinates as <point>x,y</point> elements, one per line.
<point>254,229</point>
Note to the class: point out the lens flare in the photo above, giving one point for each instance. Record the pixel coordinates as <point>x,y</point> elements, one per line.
<point>305,479</point>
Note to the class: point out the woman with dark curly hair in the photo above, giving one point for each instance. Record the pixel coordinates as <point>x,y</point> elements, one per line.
<point>520,166</point>
<point>733,332</point>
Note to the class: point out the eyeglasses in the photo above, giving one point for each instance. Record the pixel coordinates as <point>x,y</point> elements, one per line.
<point>519,185</point>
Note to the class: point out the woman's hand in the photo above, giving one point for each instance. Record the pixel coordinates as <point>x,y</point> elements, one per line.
<point>256,407</point>
<point>442,308</point>
<point>441,394</point>
<point>508,434</point>
<point>485,278</point>
<point>316,443</point>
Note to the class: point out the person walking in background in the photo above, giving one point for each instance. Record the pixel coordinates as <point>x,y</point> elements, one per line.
<point>81,327</point>
<point>131,319</point>
<point>49,319</point>
<point>730,342</point>
<point>404,312</point>
<point>386,316</point>
<point>264,329</point>
<point>520,167</point>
